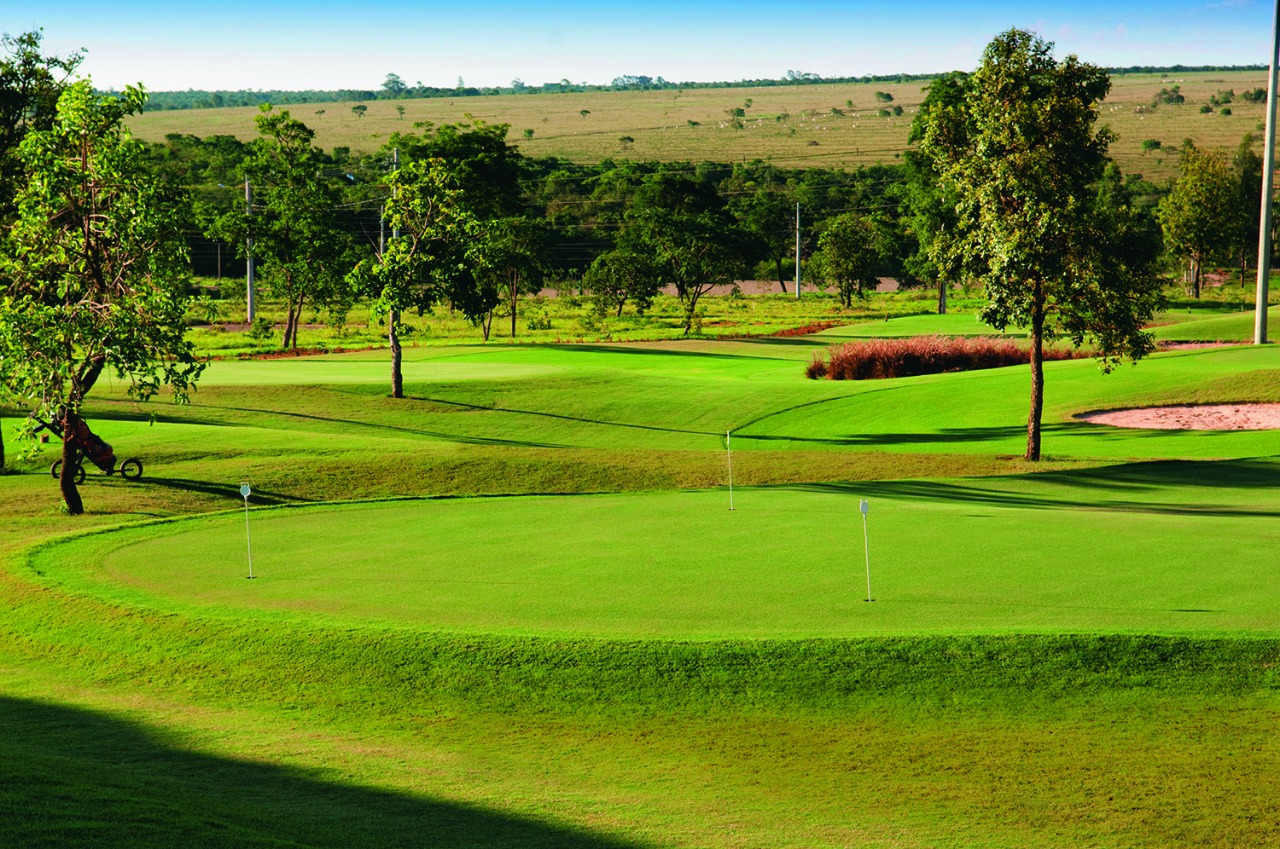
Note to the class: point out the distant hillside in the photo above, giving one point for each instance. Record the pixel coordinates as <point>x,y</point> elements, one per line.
<point>394,88</point>
<point>835,125</point>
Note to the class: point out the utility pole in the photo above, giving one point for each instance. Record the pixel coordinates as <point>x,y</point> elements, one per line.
<point>393,317</point>
<point>798,247</point>
<point>248,263</point>
<point>1268,181</point>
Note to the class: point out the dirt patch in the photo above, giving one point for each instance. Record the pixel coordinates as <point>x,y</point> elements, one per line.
<point>1192,417</point>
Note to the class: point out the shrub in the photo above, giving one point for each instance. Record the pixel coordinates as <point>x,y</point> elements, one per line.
<point>876,359</point>
<point>817,368</point>
<point>1151,144</point>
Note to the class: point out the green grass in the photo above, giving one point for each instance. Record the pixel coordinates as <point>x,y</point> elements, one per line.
<point>1081,656</point>
<point>949,558</point>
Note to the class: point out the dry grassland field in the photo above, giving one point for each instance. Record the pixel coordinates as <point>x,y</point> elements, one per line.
<point>795,126</point>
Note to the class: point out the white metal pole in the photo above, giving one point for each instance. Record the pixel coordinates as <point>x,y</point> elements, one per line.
<point>798,248</point>
<point>866,545</point>
<point>244,491</point>
<point>1268,181</point>
<point>729,451</point>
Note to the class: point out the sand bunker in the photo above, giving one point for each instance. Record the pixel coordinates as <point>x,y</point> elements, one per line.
<point>1192,417</point>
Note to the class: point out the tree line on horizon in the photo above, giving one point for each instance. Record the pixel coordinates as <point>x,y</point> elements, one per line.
<point>394,87</point>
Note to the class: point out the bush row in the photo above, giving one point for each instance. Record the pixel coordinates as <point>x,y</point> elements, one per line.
<point>874,359</point>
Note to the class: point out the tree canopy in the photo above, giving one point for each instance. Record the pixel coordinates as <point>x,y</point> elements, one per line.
<point>1203,216</point>
<point>93,267</point>
<point>1020,154</point>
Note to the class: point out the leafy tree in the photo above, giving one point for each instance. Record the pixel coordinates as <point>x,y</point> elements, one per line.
<point>1021,156</point>
<point>393,86</point>
<point>302,251</point>
<point>424,263</point>
<point>486,169</point>
<point>850,251</point>
<point>510,261</point>
<point>30,84</point>
<point>622,275</point>
<point>359,109</point>
<point>93,268</point>
<point>765,206</point>
<point>1248,167</point>
<point>683,224</point>
<point>1201,215</point>
<point>929,212</point>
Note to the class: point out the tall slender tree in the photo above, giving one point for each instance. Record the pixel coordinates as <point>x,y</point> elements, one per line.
<point>423,265</point>
<point>1202,215</point>
<point>1020,154</point>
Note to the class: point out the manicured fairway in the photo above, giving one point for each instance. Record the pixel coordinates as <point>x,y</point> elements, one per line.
<point>599,654</point>
<point>1182,554</point>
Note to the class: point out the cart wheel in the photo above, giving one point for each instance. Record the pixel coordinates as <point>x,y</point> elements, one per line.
<point>131,469</point>
<point>56,471</point>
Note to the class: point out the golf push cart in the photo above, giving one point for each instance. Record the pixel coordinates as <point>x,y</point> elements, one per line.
<point>90,445</point>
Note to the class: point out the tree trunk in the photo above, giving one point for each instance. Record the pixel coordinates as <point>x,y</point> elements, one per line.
<point>1195,278</point>
<point>1037,381</point>
<point>1,446</point>
<point>514,298</point>
<point>397,374</point>
<point>782,284</point>
<point>942,297</point>
<point>67,475</point>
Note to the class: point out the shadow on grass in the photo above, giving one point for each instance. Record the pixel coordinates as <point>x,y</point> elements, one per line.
<point>1120,488</point>
<point>226,490</point>
<point>75,778</point>
<point>561,417</point>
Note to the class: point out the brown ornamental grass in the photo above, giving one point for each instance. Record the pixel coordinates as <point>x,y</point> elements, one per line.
<point>874,359</point>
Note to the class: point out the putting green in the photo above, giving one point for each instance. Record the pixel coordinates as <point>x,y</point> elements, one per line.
<point>1127,549</point>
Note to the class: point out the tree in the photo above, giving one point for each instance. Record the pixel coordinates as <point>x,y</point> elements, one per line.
<point>510,260</point>
<point>1248,167</point>
<point>302,251</point>
<point>393,86</point>
<point>766,208</point>
<point>30,84</point>
<point>1020,154</point>
<point>849,251</point>
<point>683,224</point>
<point>93,268</point>
<point>422,264</point>
<point>929,214</point>
<point>485,168</point>
<point>1202,213</point>
<point>622,275</point>
<point>359,109</point>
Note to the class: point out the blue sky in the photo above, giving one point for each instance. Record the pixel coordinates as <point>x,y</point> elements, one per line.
<point>326,44</point>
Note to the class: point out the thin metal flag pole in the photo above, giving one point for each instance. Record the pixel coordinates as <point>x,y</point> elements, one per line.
<point>866,544</point>
<point>244,492</point>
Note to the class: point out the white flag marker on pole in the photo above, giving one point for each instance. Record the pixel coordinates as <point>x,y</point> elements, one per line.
<point>866,544</point>
<point>729,451</point>
<point>244,492</point>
